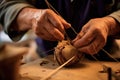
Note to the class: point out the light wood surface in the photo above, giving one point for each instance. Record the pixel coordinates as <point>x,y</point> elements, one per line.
<point>38,69</point>
<point>85,70</point>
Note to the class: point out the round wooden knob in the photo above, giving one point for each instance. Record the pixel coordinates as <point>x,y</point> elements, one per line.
<point>64,51</point>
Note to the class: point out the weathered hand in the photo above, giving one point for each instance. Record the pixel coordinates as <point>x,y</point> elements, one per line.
<point>45,23</point>
<point>93,35</point>
<point>49,25</point>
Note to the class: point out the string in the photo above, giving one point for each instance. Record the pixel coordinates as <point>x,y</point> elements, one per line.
<point>54,71</point>
<point>112,58</point>
<point>49,50</point>
<point>51,7</point>
<point>107,67</point>
<point>109,55</point>
<point>103,65</point>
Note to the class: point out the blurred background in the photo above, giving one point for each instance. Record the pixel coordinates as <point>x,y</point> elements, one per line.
<point>29,40</point>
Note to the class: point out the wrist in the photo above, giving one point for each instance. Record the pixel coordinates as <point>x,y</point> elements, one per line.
<point>113,26</point>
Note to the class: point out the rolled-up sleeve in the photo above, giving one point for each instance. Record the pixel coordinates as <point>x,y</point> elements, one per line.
<point>9,10</point>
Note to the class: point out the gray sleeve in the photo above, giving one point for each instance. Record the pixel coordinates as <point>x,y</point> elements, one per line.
<point>9,10</point>
<point>116,15</point>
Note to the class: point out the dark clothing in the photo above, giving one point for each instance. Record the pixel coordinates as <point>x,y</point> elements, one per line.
<point>78,13</point>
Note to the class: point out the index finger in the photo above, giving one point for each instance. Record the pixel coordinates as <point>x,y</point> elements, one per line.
<point>54,20</point>
<point>87,38</point>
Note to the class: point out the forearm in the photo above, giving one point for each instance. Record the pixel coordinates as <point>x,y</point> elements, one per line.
<point>9,11</point>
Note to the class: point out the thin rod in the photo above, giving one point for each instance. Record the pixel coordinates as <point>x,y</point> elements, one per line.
<point>51,7</point>
<point>57,69</point>
<point>110,55</point>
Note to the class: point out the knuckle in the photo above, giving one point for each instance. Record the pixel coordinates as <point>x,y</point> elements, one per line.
<point>97,29</point>
<point>57,24</point>
<point>53,31</point>
<point>92,20</point>
<point>92,49</point>
<point>47,11</point>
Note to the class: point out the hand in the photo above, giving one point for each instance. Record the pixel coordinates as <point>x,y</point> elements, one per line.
<point>93,35</point>
<point>45,23</point>
<point>49,25</point>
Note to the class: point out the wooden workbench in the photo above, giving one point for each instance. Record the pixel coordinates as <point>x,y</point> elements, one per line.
<point>38,69</point>
<point>85,70</point>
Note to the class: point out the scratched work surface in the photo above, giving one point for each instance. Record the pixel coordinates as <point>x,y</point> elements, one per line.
<point>85,70</point>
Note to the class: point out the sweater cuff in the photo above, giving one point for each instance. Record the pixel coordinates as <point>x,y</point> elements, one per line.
<point>10,16</point>
<point>116,16</point>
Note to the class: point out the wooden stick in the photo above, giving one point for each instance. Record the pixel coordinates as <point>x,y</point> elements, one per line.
<point>54,71</point>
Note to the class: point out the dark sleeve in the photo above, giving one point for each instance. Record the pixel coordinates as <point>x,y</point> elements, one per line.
<point>9,9</point>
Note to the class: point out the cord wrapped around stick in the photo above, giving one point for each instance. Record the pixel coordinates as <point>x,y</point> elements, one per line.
<point>64,51</point>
